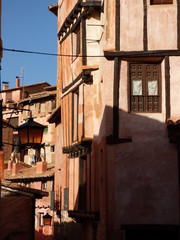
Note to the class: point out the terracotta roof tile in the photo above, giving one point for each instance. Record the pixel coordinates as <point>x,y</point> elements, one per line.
<point>14,187</point>
<point>29,172</point>
<point>175,120</point>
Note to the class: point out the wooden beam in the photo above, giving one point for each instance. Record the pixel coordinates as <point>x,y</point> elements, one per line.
<point>145,39</point>
<point>178,24</point>
<point>83,38</point>
<point>117,26</point>
<point>167,87</point>
<point>116,97</point>
<point>132,54</point>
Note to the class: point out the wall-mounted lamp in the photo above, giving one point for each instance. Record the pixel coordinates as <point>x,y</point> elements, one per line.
<point>30,133</point>
<point>47,219</point>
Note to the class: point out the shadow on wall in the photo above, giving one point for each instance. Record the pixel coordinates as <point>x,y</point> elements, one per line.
<point>39,235</point>
<point>16,216</point>
<point>138,178</point>
<point>73,231</point>
<point>135,182</point>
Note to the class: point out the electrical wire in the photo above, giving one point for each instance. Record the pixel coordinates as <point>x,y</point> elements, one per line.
<point>47,54</point>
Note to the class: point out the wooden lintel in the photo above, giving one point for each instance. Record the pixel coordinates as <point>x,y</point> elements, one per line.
<point>91,4</point>
<point>135,54</point>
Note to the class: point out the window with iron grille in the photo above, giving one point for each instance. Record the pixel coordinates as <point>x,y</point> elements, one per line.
<point>155,2</point>
<point>145,87</point>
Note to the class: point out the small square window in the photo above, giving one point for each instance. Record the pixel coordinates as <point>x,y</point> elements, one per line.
<point>52,148</point>
<point>44,185</point>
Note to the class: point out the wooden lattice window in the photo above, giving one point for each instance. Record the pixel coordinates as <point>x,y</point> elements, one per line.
<point>145,87</point>
<point>155,2</point>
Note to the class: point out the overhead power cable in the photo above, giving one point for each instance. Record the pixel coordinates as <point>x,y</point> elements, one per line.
<point>48,54</point>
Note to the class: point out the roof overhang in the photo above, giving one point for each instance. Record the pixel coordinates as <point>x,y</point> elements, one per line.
<point>54,8</point>
<point>55,116</point>
<point>15,188</point>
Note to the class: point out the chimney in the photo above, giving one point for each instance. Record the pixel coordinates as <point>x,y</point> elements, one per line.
<point>1,164</point>
<point>41,167</point>
<point>10,163</point>
<point>5,85</point>
<point>17,81</point>
<point>16,167</point>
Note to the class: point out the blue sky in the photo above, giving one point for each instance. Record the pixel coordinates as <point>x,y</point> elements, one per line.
<point>28,25</point>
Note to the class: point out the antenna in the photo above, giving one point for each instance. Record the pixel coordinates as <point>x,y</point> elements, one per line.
<point>22,74</point>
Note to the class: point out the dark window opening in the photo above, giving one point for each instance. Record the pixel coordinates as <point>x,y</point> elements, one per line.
<point>52,148</point>
<point>44,185</point>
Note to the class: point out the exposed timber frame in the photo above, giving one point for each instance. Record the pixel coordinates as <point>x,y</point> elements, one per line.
<point>167,87</point>
<point>84,50</point>
<point>84,77</point>
<point>110,55</point>
<point>114,138</point>
<point>145,38</point>
<point>80,10</point>
<point>78,149</point>
<point>178,24</point>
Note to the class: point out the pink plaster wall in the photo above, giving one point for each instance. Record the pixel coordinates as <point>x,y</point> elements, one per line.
<point>162,26</point>
<point>110,24</point>
<point>105,123</point>
<point>88,111</point>
<point>73,183</point>
<point>174,85</point>
<point>131,25</point>
<point>142,178</point>
<point>61,166</point>
<point>70,69</point>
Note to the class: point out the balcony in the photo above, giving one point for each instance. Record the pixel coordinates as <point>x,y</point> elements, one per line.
<point>84,215</point>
